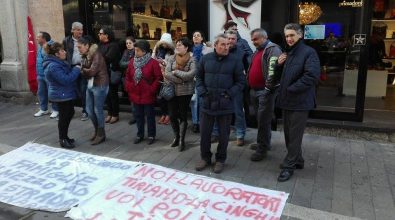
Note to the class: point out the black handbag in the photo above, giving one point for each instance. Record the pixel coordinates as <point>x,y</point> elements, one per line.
<point>167,91</point>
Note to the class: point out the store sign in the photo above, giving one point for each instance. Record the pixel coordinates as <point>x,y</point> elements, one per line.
<point>359,39</point>
<point>246,13</point>
<point>155,192</point>
<point>351,4</point>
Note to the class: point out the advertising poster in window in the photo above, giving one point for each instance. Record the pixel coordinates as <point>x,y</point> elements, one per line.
<point>246,13</point>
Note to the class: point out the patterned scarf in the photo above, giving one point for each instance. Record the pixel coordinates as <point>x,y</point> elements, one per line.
<point>197,51</point>
<point>138,63</point>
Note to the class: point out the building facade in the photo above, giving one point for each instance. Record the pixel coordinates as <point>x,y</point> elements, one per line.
<point>354,39</point>
<point>46,15</point>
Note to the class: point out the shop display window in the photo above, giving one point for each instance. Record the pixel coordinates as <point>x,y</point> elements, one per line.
<point>152,18</point>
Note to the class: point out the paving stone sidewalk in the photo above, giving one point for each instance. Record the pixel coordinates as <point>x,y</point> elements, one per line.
<point>342,178</point>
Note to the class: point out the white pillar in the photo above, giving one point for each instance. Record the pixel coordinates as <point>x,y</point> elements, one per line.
<point>13,28</point>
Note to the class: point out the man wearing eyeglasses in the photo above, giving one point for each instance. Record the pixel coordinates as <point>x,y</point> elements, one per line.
<point>73,56</point>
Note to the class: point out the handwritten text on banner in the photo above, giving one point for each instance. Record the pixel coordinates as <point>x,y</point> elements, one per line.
<point>155,192</point>
<point>40,177</point>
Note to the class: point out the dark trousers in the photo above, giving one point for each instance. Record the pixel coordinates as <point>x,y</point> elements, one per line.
<point>140,111</point>
<point>83,85</point>
<point>206,127</point>
<point>66,113</point>
<point>178,112</point>
<point>163,104</point>
<point>112,101</point>
<point>265,108</point>
<point>178,108</point>
<point>294,125</point>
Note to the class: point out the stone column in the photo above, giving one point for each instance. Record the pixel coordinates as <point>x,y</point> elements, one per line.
<point>13,69</point>
<point>47,15</point>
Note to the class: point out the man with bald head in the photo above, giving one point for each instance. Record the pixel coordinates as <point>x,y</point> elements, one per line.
<point>263,77</point>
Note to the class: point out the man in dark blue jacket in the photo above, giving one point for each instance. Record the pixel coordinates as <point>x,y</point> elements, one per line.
<point>240,121</point>
<point>219,78</point>
<point>301,72</point>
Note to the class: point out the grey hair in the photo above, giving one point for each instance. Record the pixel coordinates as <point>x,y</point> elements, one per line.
<point>294,26</point>
<point>76,24</point>
<point>260,31</point>
<point>216,39</point>
<point>231,32</point>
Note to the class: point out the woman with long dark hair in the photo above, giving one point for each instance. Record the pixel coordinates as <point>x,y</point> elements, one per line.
<point>94,69</point>
<point>112,54</point>
<point>61,88</point>
<point>127,55</point>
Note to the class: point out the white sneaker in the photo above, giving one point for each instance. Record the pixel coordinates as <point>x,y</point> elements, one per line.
<point>41,113</point>
<point>54,114</point>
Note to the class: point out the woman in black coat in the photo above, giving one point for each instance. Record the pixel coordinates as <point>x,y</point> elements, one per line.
<point>112,54</point>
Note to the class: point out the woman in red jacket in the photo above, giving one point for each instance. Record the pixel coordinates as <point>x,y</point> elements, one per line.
<point>142,83</point>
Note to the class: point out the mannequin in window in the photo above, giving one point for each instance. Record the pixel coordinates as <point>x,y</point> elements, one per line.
<point>177,13</point>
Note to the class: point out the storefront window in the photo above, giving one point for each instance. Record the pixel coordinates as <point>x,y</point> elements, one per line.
<point>380,91</point>
<point>152,18</point>
<point>111,14</point>
<point>334,31</point>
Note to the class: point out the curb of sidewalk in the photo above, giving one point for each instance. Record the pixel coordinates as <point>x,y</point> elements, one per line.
<point>348,130</point>
<point>299,212</point>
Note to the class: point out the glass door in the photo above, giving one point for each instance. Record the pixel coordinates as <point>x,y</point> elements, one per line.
<point>336,30</point>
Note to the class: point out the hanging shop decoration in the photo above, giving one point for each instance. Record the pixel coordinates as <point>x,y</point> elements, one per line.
<point>309,13</point>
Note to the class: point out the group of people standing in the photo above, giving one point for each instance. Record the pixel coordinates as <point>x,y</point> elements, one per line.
<point>210,81</point>
<point>78,68</point>
<point>283,78</point>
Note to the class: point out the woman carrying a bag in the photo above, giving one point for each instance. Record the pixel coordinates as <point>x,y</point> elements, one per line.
<point>142,82</point>
<point>180,71</point>
<point>95,70</point>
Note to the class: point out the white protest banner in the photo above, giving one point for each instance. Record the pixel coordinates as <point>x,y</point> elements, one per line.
<point>155,192</point>
<point>40,177</point>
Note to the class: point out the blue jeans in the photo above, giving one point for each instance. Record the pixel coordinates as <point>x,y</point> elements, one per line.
<point>195,108</point>
<point>43,95</point>
<point>83,84</point>
<point>240,121</point>
<point>140,111</point>
<point>95,98</point>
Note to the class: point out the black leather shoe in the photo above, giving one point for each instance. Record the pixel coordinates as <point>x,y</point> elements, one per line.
<point>151,140</point>
<point>138,140</point>
<point>71,140</point>
<point>64,143</point>
<point>285,175</point>
<point>258,156</point>
<point>175,142</point>
<point>195,128</point>
<point>297,166</point>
